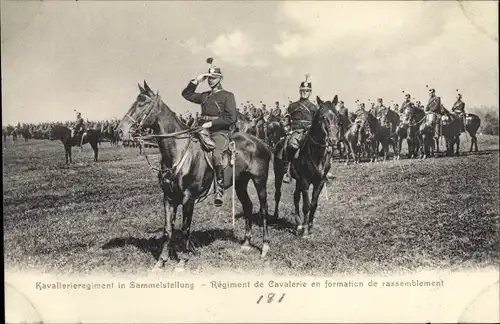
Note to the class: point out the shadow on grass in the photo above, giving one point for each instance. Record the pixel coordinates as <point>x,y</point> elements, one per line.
<point>153,245</point>
<point>280,224</point>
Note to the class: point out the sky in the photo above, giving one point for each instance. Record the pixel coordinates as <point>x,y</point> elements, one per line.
<point>89,56</point>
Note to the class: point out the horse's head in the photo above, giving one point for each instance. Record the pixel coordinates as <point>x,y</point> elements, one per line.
<point>142,114</point>
<point>327,122</point>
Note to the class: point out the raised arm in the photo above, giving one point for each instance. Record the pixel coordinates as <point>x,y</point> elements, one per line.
<point>189,93</point>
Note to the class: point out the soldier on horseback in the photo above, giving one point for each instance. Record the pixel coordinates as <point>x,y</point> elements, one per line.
<point>300,114</point>
<point>378,109</point>
<point>361,109</point>
<point>406,107</point>
<point>343,110</point>
<point>434,106</point>
<point>459,109</point>
<point>78,129</point>
<point>218,115</point>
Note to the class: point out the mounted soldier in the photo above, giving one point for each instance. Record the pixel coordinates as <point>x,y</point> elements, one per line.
<point>300,115</point>
<point>78,131</point>
<point>405,106</point>
<point>378,109</point>
<point>218,115</point>
<point>275,113</point>
<point>361,108</point>
<point>343,110</point>
<point>459,109</point>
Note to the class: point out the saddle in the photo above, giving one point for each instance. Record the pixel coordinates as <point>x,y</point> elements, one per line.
<point>208,146</point>
<point>282,153</point>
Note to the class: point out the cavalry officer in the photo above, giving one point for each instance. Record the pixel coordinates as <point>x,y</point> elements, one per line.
<point>79,126</point>
<point>300,114</point>
<point>407,104</point>
<point>218,115</point>
<point>434,106</point>
<point>459,109</point>
<point>343,110</point>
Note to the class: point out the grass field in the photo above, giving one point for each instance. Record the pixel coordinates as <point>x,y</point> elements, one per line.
<point>393,216</point>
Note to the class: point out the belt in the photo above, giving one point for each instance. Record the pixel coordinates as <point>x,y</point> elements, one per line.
<point>206,117</point>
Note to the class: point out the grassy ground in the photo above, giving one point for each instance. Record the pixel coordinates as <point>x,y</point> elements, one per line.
<point>384,217</point>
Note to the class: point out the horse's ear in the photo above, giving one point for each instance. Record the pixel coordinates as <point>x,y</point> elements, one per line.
<point>141,89</point>
<point>335,101</point>
<point>148,89</point>
<point>318,99</point>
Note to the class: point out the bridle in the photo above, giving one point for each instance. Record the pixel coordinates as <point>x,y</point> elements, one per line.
<point>139,124</point>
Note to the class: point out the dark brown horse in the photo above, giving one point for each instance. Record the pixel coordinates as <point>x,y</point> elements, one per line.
<point>275,132</point>
<point>472,124</point>
<point>427,135</point>
<point>408,128</point>
<point>186,174</point>
<point>451,129</point>
<point>63,133</point>
<point>312,164</point>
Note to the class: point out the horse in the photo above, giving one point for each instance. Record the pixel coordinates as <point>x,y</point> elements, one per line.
<point>26,133</point>
<point>370,135</point>
<point>312,165</point>
<point>63,133</point>
<point>472,124</point>
<point>353,140</point>
<point>259,124</point>
<point>408,129</point>
<point>426,134</point>
<point>186,173</point>
<point>388,123</point>
<point>275,132</point>
<point>451,129</point>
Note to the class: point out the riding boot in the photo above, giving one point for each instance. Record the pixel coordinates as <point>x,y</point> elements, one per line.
<point>219,191</point>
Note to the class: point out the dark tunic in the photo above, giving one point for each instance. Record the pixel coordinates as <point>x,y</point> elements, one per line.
<point>458,106</point>
<point>301,113</point>
<point>220,104</point>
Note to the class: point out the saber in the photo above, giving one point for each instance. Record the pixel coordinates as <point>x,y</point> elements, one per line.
<point>232,148</point>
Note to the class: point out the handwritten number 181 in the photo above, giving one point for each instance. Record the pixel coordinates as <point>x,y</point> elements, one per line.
<point>270,298</point>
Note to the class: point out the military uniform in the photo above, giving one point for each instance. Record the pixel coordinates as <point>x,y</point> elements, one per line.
<point>220,109</point>
<point>434,106</point>
<point>300,114</point>
<point>459,109</point>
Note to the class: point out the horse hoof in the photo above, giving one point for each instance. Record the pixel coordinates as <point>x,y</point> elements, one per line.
<point>245,247</point>
<point>265,250</point>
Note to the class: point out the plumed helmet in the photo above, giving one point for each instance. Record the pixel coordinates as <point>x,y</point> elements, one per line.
<point>213,70</point>
<point>306,84</point>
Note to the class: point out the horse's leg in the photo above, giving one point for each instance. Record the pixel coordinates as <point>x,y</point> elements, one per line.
<point>279,171</point>
<point>260,184</point>
<point>457,142</point>
<point>242,193</point>
<point>187,218</point>
<point>69,154</point>
<point>66,152</point>
<point>305,208</point>
<point>95,147</point>
<point>385,147</point>
<point>314,205</point>
<point>296,202</point>
<point>168,229</point>
<point>474,140</point>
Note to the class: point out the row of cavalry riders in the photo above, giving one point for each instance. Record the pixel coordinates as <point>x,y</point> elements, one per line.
<point>302,149</point>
